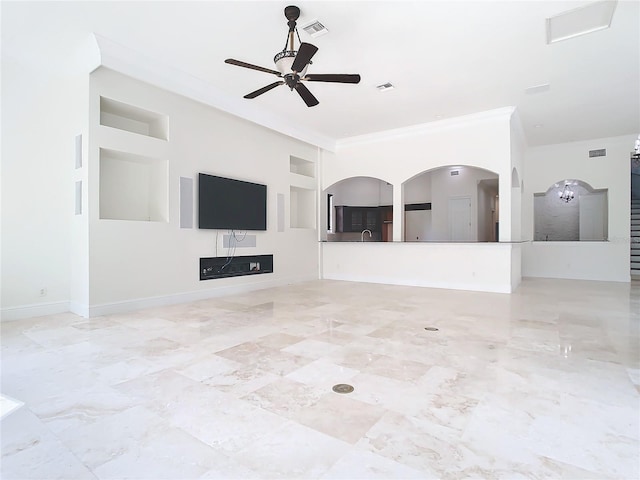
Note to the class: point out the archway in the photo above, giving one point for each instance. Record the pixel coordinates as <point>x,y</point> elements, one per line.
<point>456,203</point>
<point>571,210</point>
<point>359,208</point>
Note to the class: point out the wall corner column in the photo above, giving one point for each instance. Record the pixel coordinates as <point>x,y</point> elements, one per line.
<point>398,213</point>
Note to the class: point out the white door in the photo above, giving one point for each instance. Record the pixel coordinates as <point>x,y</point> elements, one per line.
<point>593,217</point>
<point>460,219</point>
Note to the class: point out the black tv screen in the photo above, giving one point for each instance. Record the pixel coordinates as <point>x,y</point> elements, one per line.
<point>225,203</point>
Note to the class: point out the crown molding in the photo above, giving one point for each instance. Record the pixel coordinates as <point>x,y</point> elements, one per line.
<point>504,113</point>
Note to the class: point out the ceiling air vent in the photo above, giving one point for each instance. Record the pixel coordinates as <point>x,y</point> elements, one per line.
<point>385,87</point>
<point>315,29</point>
<point>598,153</point>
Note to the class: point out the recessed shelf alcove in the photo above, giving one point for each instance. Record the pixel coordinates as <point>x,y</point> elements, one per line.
<point>302,167</point>
<point>133,119</point>
<point>132,187</point>
<point>302,207</point>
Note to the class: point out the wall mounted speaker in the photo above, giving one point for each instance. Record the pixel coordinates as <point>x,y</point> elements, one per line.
<point>79,197</point>
<point>280,206</point>
<point>78,151</point>
<point>186,202</point>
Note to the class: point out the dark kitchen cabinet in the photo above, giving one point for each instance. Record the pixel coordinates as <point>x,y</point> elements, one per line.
<point>357,219</point>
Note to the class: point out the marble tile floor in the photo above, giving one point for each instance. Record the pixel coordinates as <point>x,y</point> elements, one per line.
<point>543,383</point>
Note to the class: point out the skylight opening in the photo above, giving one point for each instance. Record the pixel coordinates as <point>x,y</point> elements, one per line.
<point>580,21</point>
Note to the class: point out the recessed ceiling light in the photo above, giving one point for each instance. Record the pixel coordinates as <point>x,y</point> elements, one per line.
<point>315,29</point>
<point>580,21</point>
<point>438,116</point>
<point>538,125</point>
<point>385,86</point>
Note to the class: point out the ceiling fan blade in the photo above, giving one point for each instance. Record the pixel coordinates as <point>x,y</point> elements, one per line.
<point>262,90</point>
<point>337,77</point>
<point>306,95</point>
<point>238,63</point>
<point>305,53</point>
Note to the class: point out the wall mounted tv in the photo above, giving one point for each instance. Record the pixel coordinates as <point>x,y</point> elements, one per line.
<point>228,204</point>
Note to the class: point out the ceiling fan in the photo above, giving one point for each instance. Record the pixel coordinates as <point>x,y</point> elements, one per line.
<point>292,65</point>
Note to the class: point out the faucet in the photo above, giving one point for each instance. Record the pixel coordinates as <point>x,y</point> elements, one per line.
<point>362,234</point>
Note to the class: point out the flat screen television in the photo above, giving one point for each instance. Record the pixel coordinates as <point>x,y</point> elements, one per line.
<point>229,204</point>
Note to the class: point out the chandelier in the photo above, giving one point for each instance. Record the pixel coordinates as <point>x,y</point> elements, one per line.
<point>566,195</point>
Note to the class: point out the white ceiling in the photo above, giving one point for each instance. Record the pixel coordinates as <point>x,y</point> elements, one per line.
<point>445,59</point>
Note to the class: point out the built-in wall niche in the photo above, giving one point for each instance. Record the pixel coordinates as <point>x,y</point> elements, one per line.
<point>133,187</point>
<point>302,167</point>
<point>571,210</point>
<point>133,119</point>
<point>302,207</point>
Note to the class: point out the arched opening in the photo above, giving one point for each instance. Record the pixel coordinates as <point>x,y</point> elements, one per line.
<point>571,210</point>
<point>452,204</point>
<point>359,209</point>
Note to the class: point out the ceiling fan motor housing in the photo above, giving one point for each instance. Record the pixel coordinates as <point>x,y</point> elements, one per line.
<point>291,80</point>
<point>292,13</point>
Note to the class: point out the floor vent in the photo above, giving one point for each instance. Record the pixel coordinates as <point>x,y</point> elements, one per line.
<point>342,388</point>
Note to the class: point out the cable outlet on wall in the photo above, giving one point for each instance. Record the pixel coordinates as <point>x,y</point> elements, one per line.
<point>43,292</point>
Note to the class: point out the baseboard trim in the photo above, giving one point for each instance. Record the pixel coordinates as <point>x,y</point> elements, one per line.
<point>89,311</point>
<point>165,300</point>
<point>21,312</point>
<point>472,287</point>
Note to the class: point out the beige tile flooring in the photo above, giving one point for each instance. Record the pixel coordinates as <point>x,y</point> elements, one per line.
<point>543,383</point>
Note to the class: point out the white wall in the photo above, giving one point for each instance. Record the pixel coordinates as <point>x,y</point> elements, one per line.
<point>137,263</point>
<point>418,189</point>
<point>418,226</point>
<point>361,192</point>
<point>485,267</point>
<point>546,165</point>
<point>42,112</point>
<point>417,223</point>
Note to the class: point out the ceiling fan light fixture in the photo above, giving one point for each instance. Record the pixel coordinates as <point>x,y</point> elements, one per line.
<point>284,60</point>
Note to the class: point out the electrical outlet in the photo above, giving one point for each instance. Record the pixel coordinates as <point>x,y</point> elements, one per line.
<point>43,292</point>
